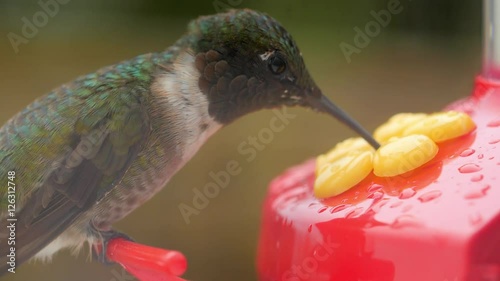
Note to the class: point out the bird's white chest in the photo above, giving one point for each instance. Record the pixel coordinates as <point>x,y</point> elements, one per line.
<point>189,104</point>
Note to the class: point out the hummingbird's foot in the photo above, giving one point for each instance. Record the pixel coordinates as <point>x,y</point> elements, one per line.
<point>100,251</point>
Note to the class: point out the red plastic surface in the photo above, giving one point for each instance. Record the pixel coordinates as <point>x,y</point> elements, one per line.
<point>147,263</point>
<point>440,222</point>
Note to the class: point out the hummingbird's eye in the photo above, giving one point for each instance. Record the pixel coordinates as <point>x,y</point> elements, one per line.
<point>277,65</point>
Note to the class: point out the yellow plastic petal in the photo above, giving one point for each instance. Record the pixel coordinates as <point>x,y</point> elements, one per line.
<point>346,147</point>
<point>443,126</point>
<point>396,126</point>
<point>351,145</point>
<point>403,155</point>
<point>343,174</point>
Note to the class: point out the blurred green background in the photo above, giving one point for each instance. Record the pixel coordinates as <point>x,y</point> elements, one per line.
<point>425,58</point>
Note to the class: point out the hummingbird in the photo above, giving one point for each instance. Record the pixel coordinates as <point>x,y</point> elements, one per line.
<point>91,151</point>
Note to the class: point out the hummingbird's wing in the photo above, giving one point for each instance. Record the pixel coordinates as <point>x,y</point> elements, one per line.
<point>67,150</point>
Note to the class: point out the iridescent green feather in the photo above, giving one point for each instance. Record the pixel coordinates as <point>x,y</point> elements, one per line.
<point>38,137</point>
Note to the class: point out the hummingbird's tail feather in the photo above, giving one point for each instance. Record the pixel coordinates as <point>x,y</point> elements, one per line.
<point>29,240</point>
<point>36,226</point>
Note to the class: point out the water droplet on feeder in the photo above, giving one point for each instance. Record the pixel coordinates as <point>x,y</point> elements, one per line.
<point>469,168</point>
<point>467,152</point>
<point>476,193</point>
<point>339,208</point>
<point>407,193</point>
<point>477,178</point>
<point>429,196</point>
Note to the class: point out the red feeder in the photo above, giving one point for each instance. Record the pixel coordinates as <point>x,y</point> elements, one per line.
<point>439,223</point>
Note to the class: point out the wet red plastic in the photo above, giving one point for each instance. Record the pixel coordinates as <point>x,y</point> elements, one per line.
<point>440,222</point>
<point>145,262</point>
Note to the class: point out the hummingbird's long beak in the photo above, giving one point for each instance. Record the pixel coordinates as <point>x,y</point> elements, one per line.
<point>323,104</point>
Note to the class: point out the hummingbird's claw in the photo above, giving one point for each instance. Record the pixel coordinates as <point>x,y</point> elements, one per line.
<point>100,251</point>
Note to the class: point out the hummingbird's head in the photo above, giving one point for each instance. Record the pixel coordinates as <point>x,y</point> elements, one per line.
<point>248,61</point>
